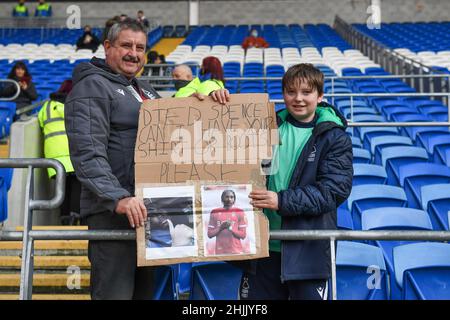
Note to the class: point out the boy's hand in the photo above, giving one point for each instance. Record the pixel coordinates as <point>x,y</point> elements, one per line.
<point>264,199</point>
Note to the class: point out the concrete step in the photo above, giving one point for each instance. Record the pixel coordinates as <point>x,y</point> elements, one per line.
<point>14,296</point>
<point>47,245</point>
<point>44,280</point>
<point>55,262</point>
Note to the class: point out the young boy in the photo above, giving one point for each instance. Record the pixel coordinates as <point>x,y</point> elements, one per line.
<point>314,177</point>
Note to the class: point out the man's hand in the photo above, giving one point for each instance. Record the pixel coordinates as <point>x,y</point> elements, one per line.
<point>199,96</point>
<point>221,95</point>
<point>134,209</point>
<point>264,199</point>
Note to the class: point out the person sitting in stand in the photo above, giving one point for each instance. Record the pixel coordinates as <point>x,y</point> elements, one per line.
<point>28,94</point>
<point>253,41</point>
<point>88,40</point>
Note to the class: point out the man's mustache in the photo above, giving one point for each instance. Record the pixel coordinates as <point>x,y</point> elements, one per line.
<point>131,59</point>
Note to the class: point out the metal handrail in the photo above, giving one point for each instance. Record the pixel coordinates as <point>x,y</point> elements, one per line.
<point>285,235</point>
<point>407,76</point>
<point>17,91</point>
<point>26,273</point>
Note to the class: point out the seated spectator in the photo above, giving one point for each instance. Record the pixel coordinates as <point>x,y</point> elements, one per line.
<point>142,19</point>
<point>182,76</point>
<point>123,17</point>
<point>253,41</point>
<point>27,95</point>
<point>209,80</point>
<point>56,146</point>
<point>43,9</point>
<point>20,10</point>
<point>88,40</point>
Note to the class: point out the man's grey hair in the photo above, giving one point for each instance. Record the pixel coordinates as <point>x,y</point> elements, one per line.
<point>127,24</point>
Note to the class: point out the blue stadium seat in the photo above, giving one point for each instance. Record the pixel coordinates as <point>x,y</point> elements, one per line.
<point>370,196</point>
<point>165,283</point>
<point>436,200</point>
<point>184,271</point>
<point>356,142</point>
<point>429,140</point>
<point>368,133</point>
<point>394,157</point>
<point>344,218</point>
<point>5,185</point>
<point>383,141</point>
<point>392,218</point>
<point>361,156</point>
<point>354,264</point>
<point>422,270</point>
<point>347,112</point>
<point>368,174</point>
<point>415,175</point>
<point>215,281</point>
<point>395,109</point>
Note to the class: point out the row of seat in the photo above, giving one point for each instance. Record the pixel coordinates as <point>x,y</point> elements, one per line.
<point>420,271</point>
<point>413,41</point>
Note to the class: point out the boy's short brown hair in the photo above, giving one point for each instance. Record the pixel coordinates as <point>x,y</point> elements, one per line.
<point>304,72</point>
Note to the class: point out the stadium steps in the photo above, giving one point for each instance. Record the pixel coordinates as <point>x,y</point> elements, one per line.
<point>52,259</point>
<point>4,148</point>
<point>167,45</point>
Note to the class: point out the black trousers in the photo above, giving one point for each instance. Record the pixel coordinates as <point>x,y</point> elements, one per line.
<point>114,271</point>
<point>266,284</point>
<point>71,201</point>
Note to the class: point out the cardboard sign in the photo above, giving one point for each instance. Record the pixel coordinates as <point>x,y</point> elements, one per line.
<point>190,155</point>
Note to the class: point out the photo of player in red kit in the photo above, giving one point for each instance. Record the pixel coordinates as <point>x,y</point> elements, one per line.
<point>228,225</point>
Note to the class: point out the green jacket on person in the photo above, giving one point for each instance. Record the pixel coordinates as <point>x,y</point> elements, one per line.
<point>196,86</point>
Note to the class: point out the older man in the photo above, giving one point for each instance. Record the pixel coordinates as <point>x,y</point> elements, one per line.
<point>102,115</point>
<point>182,75</point>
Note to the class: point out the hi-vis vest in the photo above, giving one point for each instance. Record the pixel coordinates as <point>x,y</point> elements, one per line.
<point>20,10</point>
<point>43,10</point>
<point>56,144</point>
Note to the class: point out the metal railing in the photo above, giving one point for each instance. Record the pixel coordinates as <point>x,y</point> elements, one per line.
<point>17,92</point>
<point>26,274</point>
<point>431,82</point>
<point>28,236</point>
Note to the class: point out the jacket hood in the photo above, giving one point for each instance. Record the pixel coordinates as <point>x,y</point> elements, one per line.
<point>58,96</point>
<point>97,66</point>
<point>327,117</point>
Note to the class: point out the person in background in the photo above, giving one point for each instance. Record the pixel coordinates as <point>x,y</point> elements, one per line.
<point>28,94</point>
<point>20,10</point>
<point>123,17</point>
<point>182,76</point>
<point>88,40</point>
<point>142,19</point>
<point>210,79</point>
<point>43,9</point>
<point>253,41</point>
<point>56,146</point>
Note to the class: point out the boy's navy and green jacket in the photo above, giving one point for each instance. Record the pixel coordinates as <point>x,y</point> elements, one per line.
<point>320,182</point>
